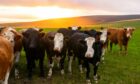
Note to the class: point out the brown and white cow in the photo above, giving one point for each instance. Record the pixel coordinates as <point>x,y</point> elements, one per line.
<point>16,39</point>
<point>120,36</point>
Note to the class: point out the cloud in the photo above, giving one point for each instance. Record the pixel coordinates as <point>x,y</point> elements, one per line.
<point>124,6</point>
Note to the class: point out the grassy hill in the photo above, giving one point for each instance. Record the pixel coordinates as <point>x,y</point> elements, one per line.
<point>74,21</point>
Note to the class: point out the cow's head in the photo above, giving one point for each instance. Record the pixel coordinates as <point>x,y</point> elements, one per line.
<point>75,28</point>
<point>90,50</point>
<point>58,42</point>
<point>129,31</point>
<point>104,35</point>
<point>32,37</point>
<point>11,34</point>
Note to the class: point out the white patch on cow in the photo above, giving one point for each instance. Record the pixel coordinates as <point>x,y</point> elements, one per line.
<point>58,41</point>
<point>70,64</point>
<point>90,51</point>
<point>81,68</point>
<point>16,73</point>
<point>128,33</point>
<point>103,36</point>
<point>50,70</point>
<point>103,51</point>
<point>62,72</point>
<point>96,78</point>
<point>97,63</point>
<point>6,77</point>
<point>17,56</point>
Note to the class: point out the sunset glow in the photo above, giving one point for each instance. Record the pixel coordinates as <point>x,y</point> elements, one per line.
<point>35,13</point>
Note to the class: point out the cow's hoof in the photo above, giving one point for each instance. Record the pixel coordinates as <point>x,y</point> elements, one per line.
<point>88,81</point>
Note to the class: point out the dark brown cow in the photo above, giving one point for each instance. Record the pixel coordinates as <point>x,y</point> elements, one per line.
<point>120,36</point>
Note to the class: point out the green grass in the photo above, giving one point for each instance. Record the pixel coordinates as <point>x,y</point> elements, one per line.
<point>117,69</point>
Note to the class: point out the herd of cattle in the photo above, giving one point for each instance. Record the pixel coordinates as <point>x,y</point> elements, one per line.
<point>88,46</point>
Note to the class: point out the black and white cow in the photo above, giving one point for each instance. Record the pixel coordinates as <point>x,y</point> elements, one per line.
<point>87,49</point>
<point>55,45</point>
<point>34,49</point>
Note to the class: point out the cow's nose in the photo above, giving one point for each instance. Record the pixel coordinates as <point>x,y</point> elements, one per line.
<point>88,55</point>
<point>32,46</point>
<point>56,49</point>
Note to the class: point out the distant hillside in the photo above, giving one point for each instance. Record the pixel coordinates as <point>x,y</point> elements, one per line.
<point>65,22</point>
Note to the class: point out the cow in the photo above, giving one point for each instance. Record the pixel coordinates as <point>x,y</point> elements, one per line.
<point>6,59</point>
<point>68,32</point>
<point>104,40</point>
<point>120,36</point>
<point>55,46</point>
<point>87,49</point>
<point>34,49</point>
<point>11,34</point>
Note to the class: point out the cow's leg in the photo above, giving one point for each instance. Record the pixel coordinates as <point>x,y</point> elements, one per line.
<point>120,44</point>
<point>62,65</point>
<point>80,65</point>
<point>41,65</point>
<point>87,72</point>
<point>51,64</point>
<point>6,77</point>
<point>70,64</point>
<point>111,44</point>
<point>17,57</point>
<point>95,73</point>
<point>29,65</point>
<point>125,47</point>
<point>103,53</point>
<point>70,59</point>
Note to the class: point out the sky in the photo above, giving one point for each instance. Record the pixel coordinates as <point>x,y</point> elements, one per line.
<point>33,10</point>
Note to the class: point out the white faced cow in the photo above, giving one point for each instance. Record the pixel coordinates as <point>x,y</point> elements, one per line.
<point>55,45</point>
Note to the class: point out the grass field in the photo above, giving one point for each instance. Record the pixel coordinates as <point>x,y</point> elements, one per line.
<point>117,69</point>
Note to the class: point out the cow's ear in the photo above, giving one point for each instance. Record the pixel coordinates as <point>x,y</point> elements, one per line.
<point>25,34</point>
<point>1,28</point>
<point>133,29</point>
<point>17,35</point>
<point>108,33</point>
<point>82,41</point>
<point>79,27</point>
<point>41,34</point>
<point>99,33</point>
<point>40,30</point>
<point>102,28</point>
<point>70,28</point>
<point>125,29</point>
<point>51,38</point>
